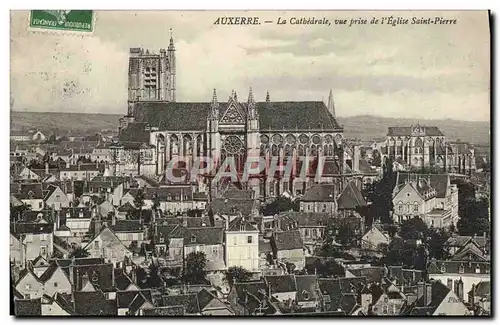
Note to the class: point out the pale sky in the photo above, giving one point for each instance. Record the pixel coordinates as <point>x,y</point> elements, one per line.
<point>414,71</point>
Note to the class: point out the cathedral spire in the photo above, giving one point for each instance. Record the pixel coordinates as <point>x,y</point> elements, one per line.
<point>268,99</point>
<point>214,98</point>
<point>171,46</point>
<point>331,105</point>
<point>250,96</point>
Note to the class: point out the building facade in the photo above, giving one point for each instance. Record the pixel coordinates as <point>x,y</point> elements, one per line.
<point>220,129</point>
<point>417,147</point>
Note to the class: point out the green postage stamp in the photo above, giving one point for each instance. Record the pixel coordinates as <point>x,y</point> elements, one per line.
<point>63,20</point>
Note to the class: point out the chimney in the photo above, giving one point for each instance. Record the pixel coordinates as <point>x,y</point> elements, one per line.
<point>226,219</point>
<point>46,168</point>
<point>58,220</point>
<point>113,219</point>
<point>460,289</point>
<point>355,159</point>
<point>472,298</point>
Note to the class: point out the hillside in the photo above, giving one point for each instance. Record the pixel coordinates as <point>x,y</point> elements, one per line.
<point>363,127</point>
<point>367,127</point>
<point>63,123</point>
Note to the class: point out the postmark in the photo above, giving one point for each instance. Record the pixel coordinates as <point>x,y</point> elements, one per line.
<point>68,21</point>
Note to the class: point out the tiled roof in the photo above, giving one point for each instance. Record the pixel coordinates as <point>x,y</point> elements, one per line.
<point>351,197</point>
<point>204,236</point>
<point>94,303</point>
<point>232,206</point>
<point>241,224</point>
<point>482,289</point>
<point>100,275</point>
<point>440,267</point>
<point>407,130</point>
<point>372,274</point>
<point>127,226</point>
<point>287,240</point>
<point>307,219</point>
<point>32,228</point>
<point>135,132</point>
<point>439,182</point>
<point>320,193</point>
<point>281,283</point>
<point>24,307</point>
<point>307,287</point>
<point>189,301</point>
<point>165,311</point>
<point>273,115</point>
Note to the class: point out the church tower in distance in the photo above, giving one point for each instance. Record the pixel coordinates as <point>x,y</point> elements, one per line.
<point>151,76</point>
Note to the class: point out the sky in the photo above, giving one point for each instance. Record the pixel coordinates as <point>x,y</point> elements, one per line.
<point>411,71</point>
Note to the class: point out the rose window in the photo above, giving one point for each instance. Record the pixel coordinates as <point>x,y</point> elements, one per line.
<point>303,139</point>
<point>233,144</point>
<point>290,139</point>
<point>277,138</point>
<point>316,139</point>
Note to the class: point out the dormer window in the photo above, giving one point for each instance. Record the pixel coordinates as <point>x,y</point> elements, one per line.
<point>305,294</point>
<point>461,268</point>
<point>443,268</point>
<point>193,239</point>
<point>478,269</point>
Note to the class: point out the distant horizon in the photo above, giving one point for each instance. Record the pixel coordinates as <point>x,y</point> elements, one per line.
<point>422,71</point>
<point>336,116</point>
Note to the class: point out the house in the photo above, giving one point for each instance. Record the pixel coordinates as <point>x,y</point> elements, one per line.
<point>94,303</point>
<point>387,299</point>
<point>312,227</point>
<point>436,299</point>
<point>17,250</point>
<point>308,293</point>
<point>37,239</point>
<point>320,198</point>
<point>169,243</point>
<point>480,298</point>
<point>53,280</point>
<point>430,196</point>
<point>188,301</point>
<point>340,294</point>
<point>127,303</point>
<point>171,199</point>
<point>288,248</point>
<point>111,187</point>
<point>38,136</point>
<point>56,198</point>
<point>77,219</point>
<point>405,277</point>
<point>282,287</point>
<point>32,195</point>
<point>211,305</point>
<point>251,298</point>
<point>20,136</point>
<point>128,231</point>
<point>375,239</point>
<point>468,266</point>
<point>79,172</point>
<point>242,244</point>
<point>107,245</point>
<point>457,242</point>
<point>28,307</point>
<point>39,265</point>
<point>26,174</point>
<point>350,200</point>
<point>56,305</point>
<point>209,240</point>
<point>29,285</point>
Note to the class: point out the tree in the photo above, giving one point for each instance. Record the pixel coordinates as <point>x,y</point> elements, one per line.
<point>237,274</point>
<point>413,229</point>
<point>326,268</point>
<point>194,271</point>
<point>139,201</point>
<point>153,280</point>
<point>281,204</point>
<point>474,216</point>
<point>379,193</point>
<point>290,267</point>
<point>79,252</point>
